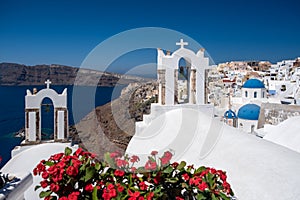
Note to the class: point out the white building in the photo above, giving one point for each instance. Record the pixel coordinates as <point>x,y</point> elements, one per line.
<point>194,135</point>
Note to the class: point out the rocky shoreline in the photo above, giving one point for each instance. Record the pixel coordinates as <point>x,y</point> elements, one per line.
<point>111,126</point>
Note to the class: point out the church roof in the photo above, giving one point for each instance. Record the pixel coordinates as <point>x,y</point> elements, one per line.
<point>230,114</point>
<point>249,112</point>
<point>253,83</point>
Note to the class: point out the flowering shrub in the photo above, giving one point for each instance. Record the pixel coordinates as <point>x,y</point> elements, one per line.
<point>68,176</point>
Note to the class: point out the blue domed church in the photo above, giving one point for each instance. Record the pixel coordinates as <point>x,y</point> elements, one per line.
<point>248,116</point>
<point>230,118</point>
<point>253,89</point>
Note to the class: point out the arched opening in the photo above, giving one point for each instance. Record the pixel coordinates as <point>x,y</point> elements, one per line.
<point>246,94</point>
<point>255,94</point>
<point>182,82</point>
<point>47,119</point>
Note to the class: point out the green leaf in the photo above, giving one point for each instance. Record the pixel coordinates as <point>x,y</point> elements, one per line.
<point>200,169</point>
<point>97,166</point>
<point>68,151</point>
<point>223,196</point>
<point>168,170</point>
<point>82,168</point>
<point>37,187</point>
<point>89,173</point>
<point>49,163</point>
<point>172,180</point>
<point>210,179</point>
<point>200,196</point>
<point>45,193</point>
<point>181,165</point>
<point>94,194</point>
<point>213,197</point>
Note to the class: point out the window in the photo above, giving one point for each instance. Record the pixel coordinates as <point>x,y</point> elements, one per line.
<point>241,126</point>
<point>255,94</point>
<point>246,93</point>
<point>263,95</point>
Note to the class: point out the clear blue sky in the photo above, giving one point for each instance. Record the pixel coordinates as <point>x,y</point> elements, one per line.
<point>65,31</point>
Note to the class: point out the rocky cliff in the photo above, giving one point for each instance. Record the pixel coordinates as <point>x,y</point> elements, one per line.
<point>17,74</point>
<point>111,126</point>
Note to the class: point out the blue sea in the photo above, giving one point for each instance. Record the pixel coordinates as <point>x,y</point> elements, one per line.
<point>12,105</point>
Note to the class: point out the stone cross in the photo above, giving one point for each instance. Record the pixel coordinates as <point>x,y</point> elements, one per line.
<point>48,82</point>
<point>181,43</point>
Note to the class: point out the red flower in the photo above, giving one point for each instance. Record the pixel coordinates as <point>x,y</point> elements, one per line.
<point>72,171</point>
<point>119,173</point>
<point>44,183</point>
<point>195,181</point>
<point>150,165</point>
<point>45,175</point>
<point>76,163</point>
<point>213,171</point>
<point>175,164</point>
<point>190,167</point>
<point>179,198</point>
<point>133,195</point>
<point>134,159</point>
<point>226,187</point>
<point>166,158</point>
<point>157,178</point>
<point>133,169</point>
<point>61,165</point>
<point>56,157</point>
<point>153,153</point>
<point>63,198</point>
<point>150,196</point>
<point>89,188</point>
<point>222,175</point>
<point>66,158</point>
<point>185,176</point>
<point>78,152</point>
<point>121,163</point>
<point>89,154</point>
<point>114,155</point>
<point>73,196</point>
<point>168,155</point>
<point>202,186</point>
<point>110,192</point>
<point>143,185</point>
<point>111,186</point>
<point>204,172</point>
<point>54,187</point>
<point>40,167</point>
<point>120,188</point>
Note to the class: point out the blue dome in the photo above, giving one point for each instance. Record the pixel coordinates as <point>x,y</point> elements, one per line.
<point>249,112</point>
<point>229,114</point>
<point>253,83</point>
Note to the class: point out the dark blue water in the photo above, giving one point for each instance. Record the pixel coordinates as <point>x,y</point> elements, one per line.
<point>81,101</point>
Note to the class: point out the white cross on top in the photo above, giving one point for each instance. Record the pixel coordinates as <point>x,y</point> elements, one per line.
<point>181,43</point>
<point>48,82</point>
